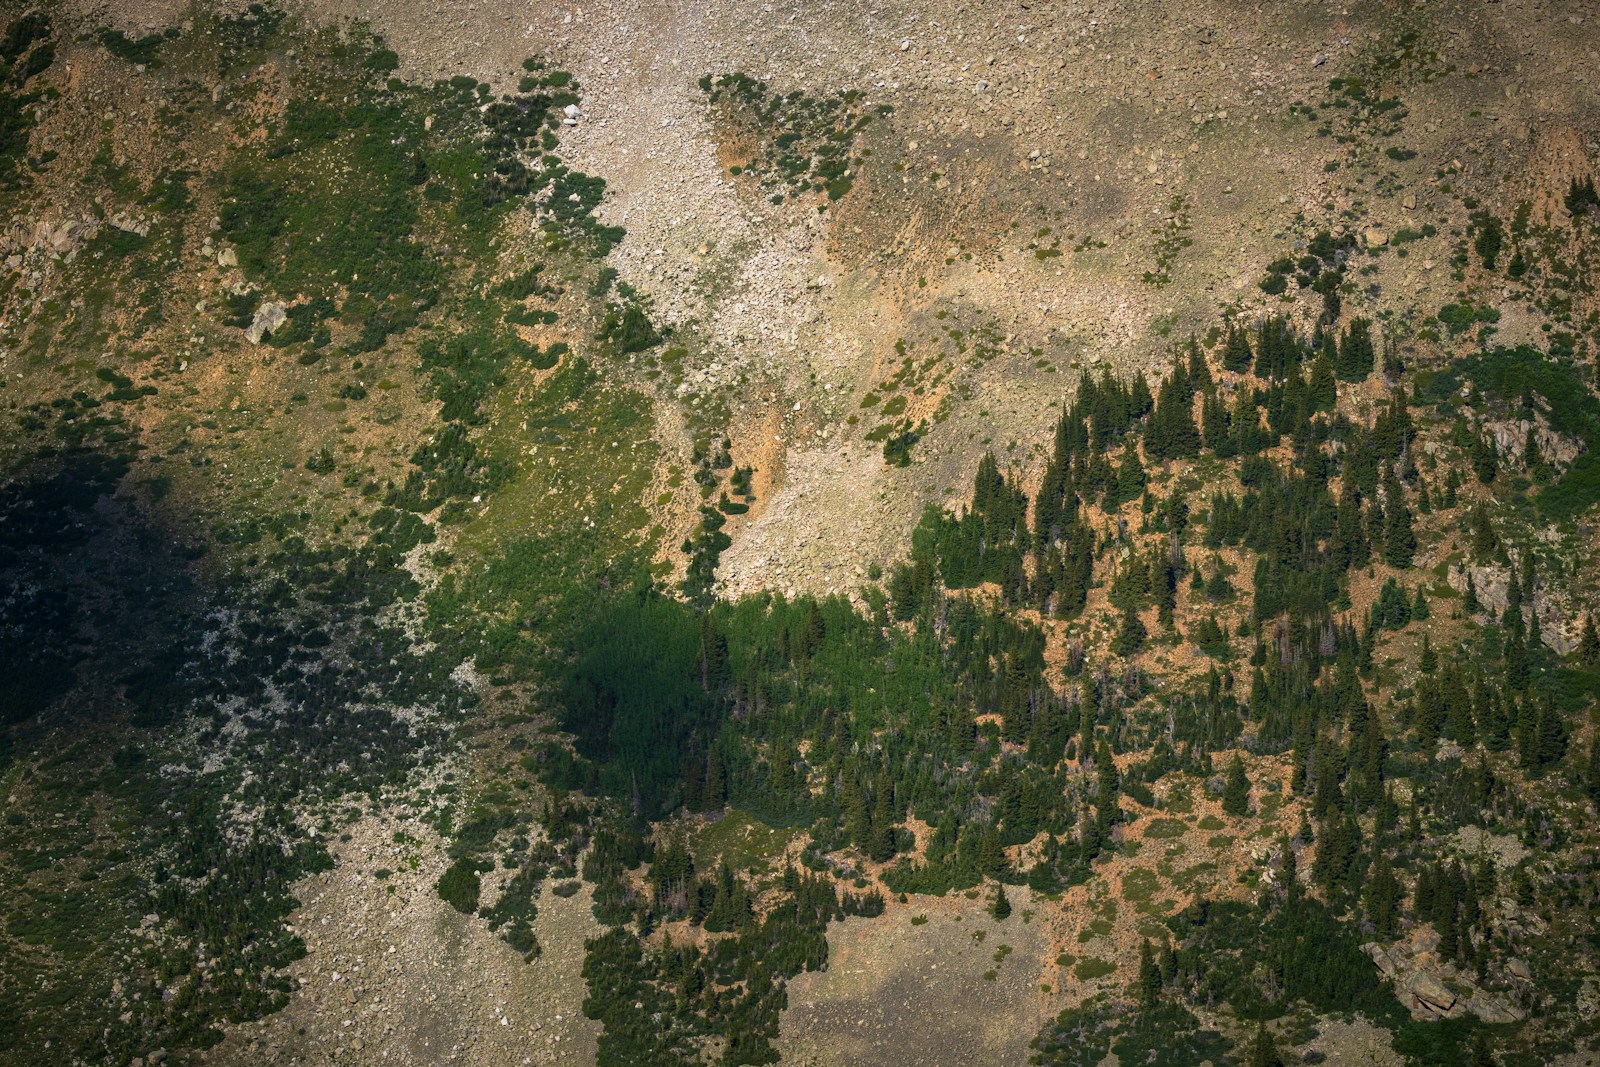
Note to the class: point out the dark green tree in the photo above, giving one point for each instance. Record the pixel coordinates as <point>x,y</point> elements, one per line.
<point>1399,539</point>
<point>1589,643</point>
<point>1236,789</point>
<point>1000,905</point>
<point>1263,1049</point>
<point>1356,351</point>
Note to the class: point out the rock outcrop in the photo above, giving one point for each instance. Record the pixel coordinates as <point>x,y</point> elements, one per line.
<point>1433,989</point>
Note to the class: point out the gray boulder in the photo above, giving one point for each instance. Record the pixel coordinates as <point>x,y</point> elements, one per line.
<point>269,317</point>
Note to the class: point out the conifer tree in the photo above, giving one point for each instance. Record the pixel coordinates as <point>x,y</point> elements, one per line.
<point>1382,898</point>
<point>1172,433</point>
<point>1324,385</point>
<point>1236,354</point>
<point>1589,643</point>
<point>1399,540</point>
<point>1485,461</point>
<point>1393,365</point>
<point>1198,372</point>
<point>1356,352</point>
<point>1591,779</point>
<point>880,837</point>
<point>1131,633</point>
<point>1148,986</point>
<point>1000,905</point>
<point>715,793</point>
<point>1236,789</point>
<point>1263,1049</point>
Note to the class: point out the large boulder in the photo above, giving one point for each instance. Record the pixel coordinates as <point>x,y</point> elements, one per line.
<point>1426,991</point>
<point>269,317</point>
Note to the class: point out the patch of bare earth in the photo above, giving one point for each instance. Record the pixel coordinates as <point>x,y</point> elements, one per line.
<point>909,994</point>
<point>394,975</point>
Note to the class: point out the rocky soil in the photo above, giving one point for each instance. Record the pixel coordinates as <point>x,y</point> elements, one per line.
<point>906,994</point>
<point>1111,124</point>
<point>1122,129</point>
<point>394,975</point>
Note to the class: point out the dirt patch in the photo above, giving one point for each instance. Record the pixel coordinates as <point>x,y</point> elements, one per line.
<point>394,975</point>
<point>895,992</point>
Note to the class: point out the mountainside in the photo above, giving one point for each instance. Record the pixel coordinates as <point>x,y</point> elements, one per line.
<point>809,533</point>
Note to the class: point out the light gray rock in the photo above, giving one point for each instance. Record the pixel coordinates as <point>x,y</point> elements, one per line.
<point>1425,990</point>
<point>1492,1009</point>
<point>129,224</point>
<point>269,317</point>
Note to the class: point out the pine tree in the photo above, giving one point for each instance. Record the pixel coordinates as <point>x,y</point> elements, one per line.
<point>1198,371</point>
<point>1236,789</point>
<point>1550,735</point>
<point>1131,633</point>
<point>1589,643</point>
<point>1236,354</point>
<point>1263,1049</point>
<point>1324,384</point>
<point>1485,462</point>
<point>1393,365</point>
<point>880,838</point>
<point>715,793</point>
<point>1172,433</point>
<point>1382,898</point>
<point>1356,352</point>
<point>1000,905</point>
<point>1148,987</point>
<point>1399,539</point>
<point>1591,779</point>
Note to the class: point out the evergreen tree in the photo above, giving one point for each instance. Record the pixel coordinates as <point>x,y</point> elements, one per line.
<point>1399,540</point>
<point>1148,986</point>
<point>1485,544</point>
<point>1591,779</point>
<point>1263,1049</point>
<point>1324,385</point>
<point>1356,352</point>
<point>1485,461</point>
<point>1000,905</point>
<point>1382,898</point>
<point>1589,643</point>
<point>880,838</point>
<point>1236,789</point>
<point>715,793</point>
<point>1236,354</point>
<point>1393,365</point>
<point>1131,633</point>
<point>1172,433</point>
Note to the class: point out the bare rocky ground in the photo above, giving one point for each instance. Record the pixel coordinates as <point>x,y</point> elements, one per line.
<point>394,975</point>
<point>1091,119</point>
<point>1087,118</point>
<point>895,992</point>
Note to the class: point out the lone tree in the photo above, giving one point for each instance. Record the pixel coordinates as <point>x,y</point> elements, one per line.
<point>1000,907</point>
<point>1236,790</point>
